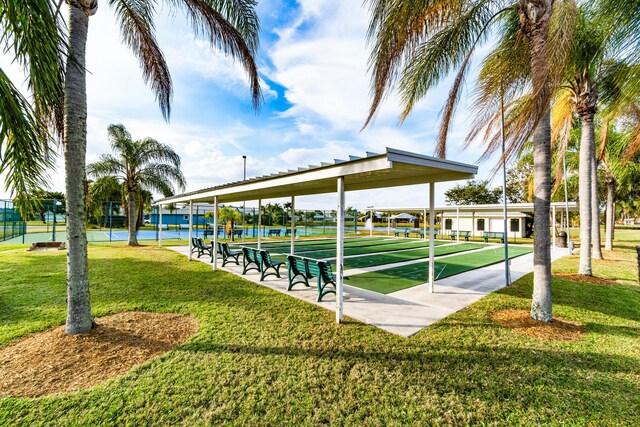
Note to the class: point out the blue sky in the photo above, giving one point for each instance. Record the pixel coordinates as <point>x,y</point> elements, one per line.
<point>312,61</point>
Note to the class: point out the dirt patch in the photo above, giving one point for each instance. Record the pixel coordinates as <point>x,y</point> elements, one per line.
<point>51,362</point>
<point>586,279</point>
<point>558,329</point>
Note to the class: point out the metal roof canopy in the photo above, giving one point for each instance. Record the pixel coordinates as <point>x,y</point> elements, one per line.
<point>511,207</point>
<point>391,169</point>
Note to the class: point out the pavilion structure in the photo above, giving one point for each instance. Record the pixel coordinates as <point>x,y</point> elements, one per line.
<point>393,168</point>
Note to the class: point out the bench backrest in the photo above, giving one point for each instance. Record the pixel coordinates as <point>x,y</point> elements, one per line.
<point>325,271</point>
<point>266,257</point>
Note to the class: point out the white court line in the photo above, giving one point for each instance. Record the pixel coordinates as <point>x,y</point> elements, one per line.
<point>355,271</point>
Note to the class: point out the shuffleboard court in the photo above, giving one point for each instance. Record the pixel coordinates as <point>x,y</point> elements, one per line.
<point>408,255</point>
<point>369,249</point>
<point>329,245</point>
<point>397,278</point>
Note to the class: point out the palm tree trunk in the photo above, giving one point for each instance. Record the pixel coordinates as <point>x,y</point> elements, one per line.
<point>79,318</point>
<point>610,214</point>
<point>541,307</point>
<point>133,218</point>
<point>584,192</point>
<point>595,210</point>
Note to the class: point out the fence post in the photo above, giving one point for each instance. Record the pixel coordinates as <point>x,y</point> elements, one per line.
<point>53,229</point>
<point>110,219</point>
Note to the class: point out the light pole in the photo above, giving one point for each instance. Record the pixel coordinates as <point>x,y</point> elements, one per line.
<point>244,203</point>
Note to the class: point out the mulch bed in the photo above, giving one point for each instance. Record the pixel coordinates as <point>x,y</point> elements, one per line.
<point>586,279</point>
<point>52,362</point>
<point>558,329</point>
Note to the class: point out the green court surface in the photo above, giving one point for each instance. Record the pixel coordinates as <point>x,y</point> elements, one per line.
<point>362,250</point>
<point>408,255</point>
<point>397,278</point>
<point>329,245</point>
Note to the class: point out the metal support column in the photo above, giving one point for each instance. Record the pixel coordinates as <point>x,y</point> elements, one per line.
<point>293,224</point>
<point>340,251</point>
<point>259,223</point>
<point>424,223</point>
<point>159,226</point>
<point>214,249</point>
<point>553,225</point>
<point>432,223</point>
<point>371,225</point>
<point>458,224</point>
<point>190,228</point>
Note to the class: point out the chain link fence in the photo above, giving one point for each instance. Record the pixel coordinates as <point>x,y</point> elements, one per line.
<point>107,222</point>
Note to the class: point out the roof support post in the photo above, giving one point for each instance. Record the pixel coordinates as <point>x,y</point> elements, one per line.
<point>458,224</point>
<point>473,225</point>
<point>388,224</point>
<point>432,224</point>
<point>159,226</point>
<point>214,250</point>
<point>424,223</point>
<point>259,223</point>
<point>340,251</point>
<point>293,224</point>
<point>190,228</point>
<point>553,225</point>
<point>371,225</point>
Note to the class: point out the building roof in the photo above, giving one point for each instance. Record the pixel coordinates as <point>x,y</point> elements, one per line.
<point>404,216</point>
<point>511,207</point>
<point>390,169</point>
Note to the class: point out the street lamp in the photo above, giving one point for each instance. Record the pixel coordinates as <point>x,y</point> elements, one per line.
<point>244,203</point>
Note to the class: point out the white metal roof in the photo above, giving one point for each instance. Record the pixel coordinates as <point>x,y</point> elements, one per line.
<point>511,207</point>
<point>390,169</point>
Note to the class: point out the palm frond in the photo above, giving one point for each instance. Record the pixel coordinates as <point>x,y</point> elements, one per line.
<point>25,153</point>
<point>240,43</point>
<point>138,32</point>
<point>108,165</point>
<point>31,33</point>
<point>396,28</point>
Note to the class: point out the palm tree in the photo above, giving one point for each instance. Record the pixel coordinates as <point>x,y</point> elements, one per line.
<point>231,26</point>
<point>30,33</point>
<point>620,163</point>
<point>139,165</point>
<point>419,43</point>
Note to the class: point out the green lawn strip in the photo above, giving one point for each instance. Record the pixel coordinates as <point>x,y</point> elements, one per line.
<point>263,358</point>
<point>392,257</point>
<point>398,278</point>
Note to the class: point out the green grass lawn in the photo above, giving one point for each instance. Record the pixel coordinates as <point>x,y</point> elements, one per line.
<point>263,358</point>
<point>397,278</point>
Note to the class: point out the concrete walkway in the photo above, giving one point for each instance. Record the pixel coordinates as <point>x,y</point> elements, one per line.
<point>407,311</point>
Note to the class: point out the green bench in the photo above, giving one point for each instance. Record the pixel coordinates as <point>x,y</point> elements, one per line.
<point>260,260</point>
<point>465,234</point>
<point>274,232</point>
<point>301,270</point>
<point>198,246</point>
<point>228,255</point>
<point>420,231</point>
<point>396,233</point>
<point>493,235</point>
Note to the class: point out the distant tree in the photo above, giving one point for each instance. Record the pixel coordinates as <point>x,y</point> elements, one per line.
<point>473,193</point>
<point>144,164</point>
<point>43,201</point>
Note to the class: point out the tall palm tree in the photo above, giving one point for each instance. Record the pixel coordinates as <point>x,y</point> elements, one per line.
<point>30,33</point>
<point>417,43</point>
<point>618,154</point>
<point>231,25</point>
<point>144,164</point>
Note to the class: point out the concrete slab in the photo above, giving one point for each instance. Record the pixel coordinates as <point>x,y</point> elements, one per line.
<point>408,311</point>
